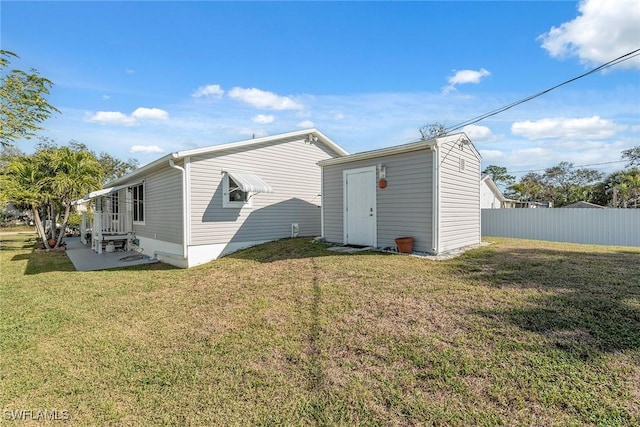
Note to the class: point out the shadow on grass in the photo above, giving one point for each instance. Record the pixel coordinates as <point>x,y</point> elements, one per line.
<point>587,303</point>
<point>291,248</point>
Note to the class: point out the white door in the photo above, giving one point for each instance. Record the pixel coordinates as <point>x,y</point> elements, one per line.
<point>360,206</point>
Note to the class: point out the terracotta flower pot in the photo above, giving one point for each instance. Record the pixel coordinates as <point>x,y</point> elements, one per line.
<point>405,244</point>
<point>52,242</point>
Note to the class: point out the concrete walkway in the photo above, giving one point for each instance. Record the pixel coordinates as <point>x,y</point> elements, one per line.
<point>84,259</point>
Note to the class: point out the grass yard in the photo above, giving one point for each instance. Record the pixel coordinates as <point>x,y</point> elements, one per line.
<point>517,333</point>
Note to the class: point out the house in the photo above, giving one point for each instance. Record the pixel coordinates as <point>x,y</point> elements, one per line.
<point>428,190</point>
<point>190,207</point>
<point>492,198</point>
<point>490,195</point>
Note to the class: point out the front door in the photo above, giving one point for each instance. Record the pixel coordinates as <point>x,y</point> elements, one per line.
<point>360,206</point>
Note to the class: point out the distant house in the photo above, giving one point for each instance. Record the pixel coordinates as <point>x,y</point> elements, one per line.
<point>490,195</point>
<point>428,190</point>
<point>583,205</point>
<point>193,206</point>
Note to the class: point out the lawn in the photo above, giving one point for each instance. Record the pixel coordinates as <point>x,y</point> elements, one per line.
<point>518,332</point>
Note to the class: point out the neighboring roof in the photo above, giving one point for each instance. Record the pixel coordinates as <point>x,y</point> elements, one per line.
<point>250,183</point>
<point>583,204</point>
<point>313,134</point>
<point>399,149</point>
<point>493,187</point>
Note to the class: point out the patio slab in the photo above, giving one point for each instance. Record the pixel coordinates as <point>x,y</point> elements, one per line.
<point>84,259</point>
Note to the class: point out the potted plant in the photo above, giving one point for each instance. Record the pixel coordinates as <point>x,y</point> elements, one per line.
<point>405,244</point>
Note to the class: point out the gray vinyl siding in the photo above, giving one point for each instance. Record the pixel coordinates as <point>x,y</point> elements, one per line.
<point>404,207</point>
<point>289,167</point>
<point>162,205</point>
<point>459,197</point>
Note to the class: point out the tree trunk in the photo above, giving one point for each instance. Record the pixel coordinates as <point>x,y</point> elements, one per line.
<point>40,228</point>
<point>67,210</point>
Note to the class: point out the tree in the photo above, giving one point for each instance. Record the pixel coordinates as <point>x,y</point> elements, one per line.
<point>530,188</point>
<point>48,181</point>
<point>115,168</point>
<point>432,130</point>
<point>22,101</point>
<point>564,184</point>
<point>76,173</point>
<point>499,175</point>
<point>633,156</point>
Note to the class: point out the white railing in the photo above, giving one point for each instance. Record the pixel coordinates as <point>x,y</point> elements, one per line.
<point>112,223</point>
<point>619,227</point>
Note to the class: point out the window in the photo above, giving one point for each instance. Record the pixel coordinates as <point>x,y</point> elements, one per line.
<point>137,193</point>
<point>233,196</point>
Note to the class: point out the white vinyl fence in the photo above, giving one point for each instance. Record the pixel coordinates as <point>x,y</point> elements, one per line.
<point>619,227</point>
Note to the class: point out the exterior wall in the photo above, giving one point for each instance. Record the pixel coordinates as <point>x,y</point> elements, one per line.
<point>591,226</point>
<point>488,199</point>
<point>459,216</point>
<point>289,167</point>
<point>162,206</point>
<point>404,207</point>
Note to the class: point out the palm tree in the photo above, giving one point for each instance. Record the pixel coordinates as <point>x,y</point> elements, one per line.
<point>632,182</point>
<point>76,173</point>
<point>22,182</point>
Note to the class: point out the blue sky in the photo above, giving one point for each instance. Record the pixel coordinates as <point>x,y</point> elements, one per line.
<point>143,79</point>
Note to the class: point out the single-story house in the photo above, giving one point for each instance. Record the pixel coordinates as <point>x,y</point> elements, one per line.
<point>190,207</point>
<point>490,195</point>
<point>492,198</point>
<point>428,190</point>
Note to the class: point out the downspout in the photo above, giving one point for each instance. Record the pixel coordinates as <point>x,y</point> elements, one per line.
<point>435,223</point>
<point>184,205</point>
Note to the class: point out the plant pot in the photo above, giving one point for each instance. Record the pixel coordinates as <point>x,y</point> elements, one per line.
<point>405,244</point>
<point>52,242</point>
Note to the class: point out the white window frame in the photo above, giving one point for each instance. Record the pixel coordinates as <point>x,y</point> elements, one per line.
<point>133,204</point>
<point>226,202</point>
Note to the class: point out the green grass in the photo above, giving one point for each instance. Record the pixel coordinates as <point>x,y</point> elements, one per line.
<point>515,333</point>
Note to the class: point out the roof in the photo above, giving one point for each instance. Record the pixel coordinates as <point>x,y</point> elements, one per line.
<point>583,204</point>
<point>399,149</point>
<point>493,187</point>
<point>313,133</point>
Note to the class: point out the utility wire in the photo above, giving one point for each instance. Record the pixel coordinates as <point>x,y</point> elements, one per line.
<point>572,167</point>
<point>476,119</point>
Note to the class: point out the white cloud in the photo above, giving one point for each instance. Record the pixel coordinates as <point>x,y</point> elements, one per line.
<point>263,118</point>
<point>264,99</point>
<point>306,124</point>
<point>478,133</point>
<point>491,156</point>
<point>338,116</point>
<point>106,97</point>
<point>118,118</point>
<point>129,71</point>
<point>111,118</point>
<point>464,77</point>
<point>210,91</point>
<point>603,31</point>
<point>150,114</point>
<point>146,149</point>
<point>582,128</point>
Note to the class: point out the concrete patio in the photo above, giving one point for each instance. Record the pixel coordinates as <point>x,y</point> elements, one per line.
<point>84,259</point>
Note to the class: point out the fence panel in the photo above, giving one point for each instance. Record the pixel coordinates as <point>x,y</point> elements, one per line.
<point>620,227</point>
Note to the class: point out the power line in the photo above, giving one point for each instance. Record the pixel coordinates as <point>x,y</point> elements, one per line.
<point>476,119</point>
<point>572,167</point>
